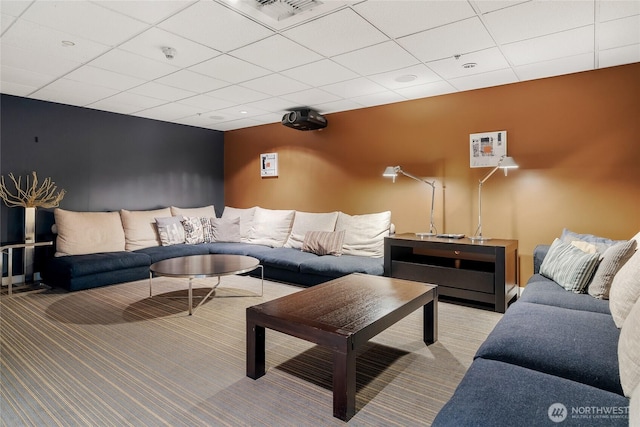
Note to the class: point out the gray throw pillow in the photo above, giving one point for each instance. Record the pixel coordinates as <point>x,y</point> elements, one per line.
<point>225,229</point>
<point>323,242</point>
<point>613,259</point>
<point>170,230</point>
<point>625,289</point>
<point>569,266</point>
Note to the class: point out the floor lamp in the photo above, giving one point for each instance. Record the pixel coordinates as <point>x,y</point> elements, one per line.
<point>505,163</point>
<point>393,171</point>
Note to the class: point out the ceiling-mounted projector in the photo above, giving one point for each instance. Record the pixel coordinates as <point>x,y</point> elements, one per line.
<point>304,119</point>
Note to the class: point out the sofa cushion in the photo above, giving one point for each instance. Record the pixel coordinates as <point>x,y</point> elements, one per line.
<point>543,338</point>
<point>625,289</point>
<point>324,242</point>
<point>205,211</point>
<point>89,264</point>
<point>334,267</point>
<point>140,228</point>
<point>612,260</point>
<point>364,233</point>
<point>541,290</point>
<point>82,233</point>
<point>225,229</point>
<point>232,248</point>
<point>569,266</point>
<point>270,227</point>
<point>158,253</point>
<point>629,351</point>
<point>494,393</point>
<point>304,222</point>
<point>170,230</point>
<point>285,258</point>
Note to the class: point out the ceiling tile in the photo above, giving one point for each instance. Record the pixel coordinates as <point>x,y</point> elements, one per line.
<point>380,98</point>
<point>337,106</point>
<point>621,32</point>
<point>168,112</point>
<point>147,11</point>
<point>189,80</point>
<point>207,103</point>
<point>619,56</point>
<point>84,19</point>
<point>426,90</point>
<point>421,73</point>
<point>555,67</point>
<point>138,102</point>
<point>130,64</point>
<point>199,120</point>
<point>13,8</point>
<point>216,26</point>
<point>320,73</point>
<point>150,43</point>
<point>44,64</point>
<point>485,60</point>
<point>234,124</point>
<point>229,69</point>
<point>554,46</point>
<point>356,87</point>
<point>238,94</point>
<point>537,18</point>
<point>461,37</point>
<point>106,78</point>
<point>309,97</point>
<point>160,91</point>
<point>74,93</point>
<point>491,78</point>
<point>377,59</point>
<point>5,22</point>
<point>400,18</point>
<point>276,53</point>
<point>268,118</point>
<point>618,9</point>
<point>27,78</point>
<point>491,5</point>
<point>274,105</point>
<point>240,112</point>
<point>336,33</point>
<point>17,89</point>
<point>275,84</point>
<point>113,106</point>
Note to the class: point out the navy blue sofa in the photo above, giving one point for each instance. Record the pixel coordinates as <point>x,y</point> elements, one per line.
<point>551,360</point>
<point>77,272</point>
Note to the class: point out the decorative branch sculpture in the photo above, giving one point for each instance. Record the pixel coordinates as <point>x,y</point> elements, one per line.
<point>32,196</point>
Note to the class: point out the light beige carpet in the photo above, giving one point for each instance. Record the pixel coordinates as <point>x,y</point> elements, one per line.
<point>112,356</point>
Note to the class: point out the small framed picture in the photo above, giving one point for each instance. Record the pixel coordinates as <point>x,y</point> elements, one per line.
<point>485,149</point>
<point>269,164</point>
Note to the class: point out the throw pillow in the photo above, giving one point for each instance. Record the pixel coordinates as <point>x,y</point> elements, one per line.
<point>625,289</point>
<point>568,266</point>
<point>323,242</point>
<point>246,219</point>
<point>207,229</point>
<point>140,228</point>
<point>170,230</point>
<point>226,230</point>
<point>203,212</point>
<point>601,244</point>
<point>634,407</point>
<point>629,351</point>
<point>82,233</point>
<point>304,222</point>
<point>193,232</point>
<point>270,227</point>
<point>612,260</point>
<point>364,234</point>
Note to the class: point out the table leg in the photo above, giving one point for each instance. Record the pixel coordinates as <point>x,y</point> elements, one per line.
<point>344,384</point>
<point>430,321</point>
<point>190,297</point>
<point>255,350</point>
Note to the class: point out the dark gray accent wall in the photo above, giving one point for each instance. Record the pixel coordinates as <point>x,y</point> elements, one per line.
<point>106,161</point>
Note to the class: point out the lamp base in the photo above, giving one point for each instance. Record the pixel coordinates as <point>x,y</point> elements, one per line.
<point>425,234</point>
<point>479,238</point>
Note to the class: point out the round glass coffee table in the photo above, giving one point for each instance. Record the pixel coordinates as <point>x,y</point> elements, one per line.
<point>203,266</point>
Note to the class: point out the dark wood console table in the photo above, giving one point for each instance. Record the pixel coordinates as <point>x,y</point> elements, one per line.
<point>482,273</point>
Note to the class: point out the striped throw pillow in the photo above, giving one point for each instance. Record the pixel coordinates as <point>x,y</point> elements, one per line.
<point>323,242</point>
<point>568,266</point>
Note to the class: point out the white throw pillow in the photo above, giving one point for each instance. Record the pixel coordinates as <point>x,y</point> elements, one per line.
<point>364,233</point>
<point>246,219</point>
<point>625,289</point>
<point>140,229</point>
<point>270,227</point>
<point>203,212</point>
<point>634,407</point>
<point>629,351</point>
<point>307,221</point>
<point>82,233</point>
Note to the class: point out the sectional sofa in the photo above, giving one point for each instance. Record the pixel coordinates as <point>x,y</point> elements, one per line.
<point>559,356</point>
<point>102,248</point>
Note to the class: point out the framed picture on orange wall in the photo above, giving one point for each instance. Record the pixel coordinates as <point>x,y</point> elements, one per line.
<point>269,164</point>
<point>485,149</point>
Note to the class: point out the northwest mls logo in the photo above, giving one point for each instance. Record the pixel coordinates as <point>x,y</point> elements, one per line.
<point>557,412</point>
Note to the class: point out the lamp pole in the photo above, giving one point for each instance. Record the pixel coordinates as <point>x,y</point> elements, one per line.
<point>393,171</point>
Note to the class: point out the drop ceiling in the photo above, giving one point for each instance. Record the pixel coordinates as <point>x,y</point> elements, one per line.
<point>236,65</point>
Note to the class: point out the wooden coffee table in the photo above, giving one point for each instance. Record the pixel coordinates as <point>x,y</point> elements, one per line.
<point>343,315</point>
<point>202,266</point>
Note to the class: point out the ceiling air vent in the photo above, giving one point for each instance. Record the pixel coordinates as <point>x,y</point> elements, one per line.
<point>283,9</point>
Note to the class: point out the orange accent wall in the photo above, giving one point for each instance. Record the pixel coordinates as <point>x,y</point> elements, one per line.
<point>576,138</point>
